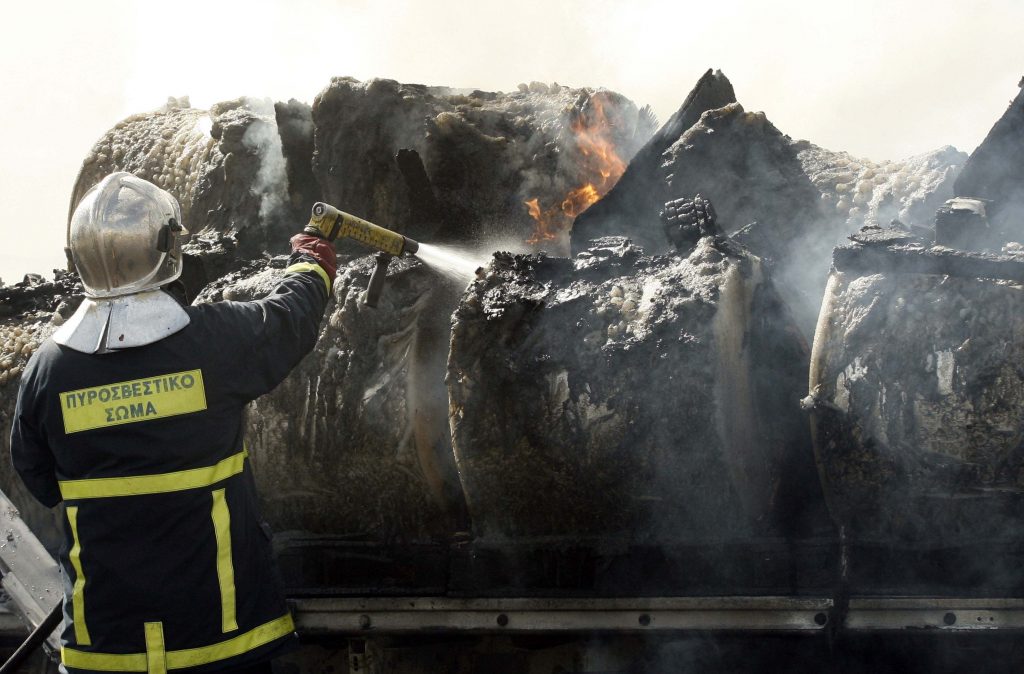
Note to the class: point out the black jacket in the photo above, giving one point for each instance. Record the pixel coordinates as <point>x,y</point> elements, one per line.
<point>167,562</point>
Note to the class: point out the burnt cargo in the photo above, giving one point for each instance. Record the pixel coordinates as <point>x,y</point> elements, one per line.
<point>618,404</point>
<point>917,395</point>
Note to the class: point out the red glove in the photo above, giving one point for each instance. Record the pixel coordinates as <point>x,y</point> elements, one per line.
<point>319,249</point>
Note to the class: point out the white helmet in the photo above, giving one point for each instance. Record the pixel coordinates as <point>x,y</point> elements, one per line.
<point>126,237</point>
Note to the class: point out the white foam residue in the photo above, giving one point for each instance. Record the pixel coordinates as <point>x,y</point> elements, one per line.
<point>558,391</point>
<point>945,364</point>
<point>651,288</point>
<point>853,372</point>
<point>842,395</point>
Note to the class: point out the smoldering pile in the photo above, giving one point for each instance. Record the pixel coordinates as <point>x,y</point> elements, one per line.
<point>639,395</point>
<point>916,390</point>
<point>431,162</point>
<point>608,397</point>
<point>789,201</point>
<point>469,161</point>
<point>230,167</point>
<point>916,399</point>
<point>29,312</point>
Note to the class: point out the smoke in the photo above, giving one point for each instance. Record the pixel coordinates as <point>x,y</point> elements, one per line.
<point>801,278</point>
<point>855,192</point>
<point>263,138</point>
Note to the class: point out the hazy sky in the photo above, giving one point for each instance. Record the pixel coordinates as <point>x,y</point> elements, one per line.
<point>880,78</point>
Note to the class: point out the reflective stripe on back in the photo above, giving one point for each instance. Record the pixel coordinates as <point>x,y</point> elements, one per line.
<point>225,566</point>
<point>191,657</point>
<point>78,590</point>
<point>128,402</point>
<point>156,655</point>
<point>158,483</point>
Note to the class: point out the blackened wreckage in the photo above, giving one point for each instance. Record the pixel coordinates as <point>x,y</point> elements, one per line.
<point>666,414</point>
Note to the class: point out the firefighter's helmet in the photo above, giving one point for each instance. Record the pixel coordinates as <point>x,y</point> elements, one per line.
<point>125,240</point>
<point>125,237</point>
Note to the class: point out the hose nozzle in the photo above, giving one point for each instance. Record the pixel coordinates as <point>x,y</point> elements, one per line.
<point>333,223</point>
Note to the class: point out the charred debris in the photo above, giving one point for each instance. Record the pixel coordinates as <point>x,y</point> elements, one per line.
<point>619,415</point>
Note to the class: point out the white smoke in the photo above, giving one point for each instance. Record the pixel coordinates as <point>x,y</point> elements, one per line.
<point>262,136</point>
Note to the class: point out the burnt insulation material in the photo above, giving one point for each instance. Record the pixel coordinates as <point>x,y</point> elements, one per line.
<point>227,167</point>
<point>627,398</point>
<point>789,201</point>
<point>354,443</point>
<point>918,394</point>
<point>438,164</point>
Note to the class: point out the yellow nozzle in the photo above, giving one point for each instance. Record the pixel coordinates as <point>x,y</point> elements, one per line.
<point>329,220</point>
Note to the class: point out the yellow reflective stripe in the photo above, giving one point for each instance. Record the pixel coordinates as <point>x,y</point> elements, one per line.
<point>225,567</point>
<point>156,655</point>
<point>309,266</point>
<point>78,590</point>
<point>103,662</point>
<point>192,657</point>
<point>243,643</point>
<point>159,483</point>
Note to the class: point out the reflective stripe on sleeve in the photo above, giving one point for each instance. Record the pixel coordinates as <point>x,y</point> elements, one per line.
<point>78,590</point>
<point>192,657</point>
<point>225,566</point>
<point>156,653</point>
<point>309,266</point>
<point>159,483</point>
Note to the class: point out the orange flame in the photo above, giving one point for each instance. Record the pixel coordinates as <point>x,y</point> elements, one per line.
<point>601,169</point>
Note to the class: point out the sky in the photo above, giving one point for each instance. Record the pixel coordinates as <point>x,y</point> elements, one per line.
<point>880,79</point>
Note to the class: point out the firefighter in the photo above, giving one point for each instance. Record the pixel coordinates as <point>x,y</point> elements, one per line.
<point>132,416</point>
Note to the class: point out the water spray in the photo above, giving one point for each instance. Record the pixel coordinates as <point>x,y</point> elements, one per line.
<point>327,218</point>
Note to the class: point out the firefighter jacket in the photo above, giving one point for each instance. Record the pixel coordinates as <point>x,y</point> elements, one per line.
<point>167,563</point>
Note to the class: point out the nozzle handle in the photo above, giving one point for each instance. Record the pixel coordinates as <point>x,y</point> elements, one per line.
<point>376,284</point>
<point>328,219</point>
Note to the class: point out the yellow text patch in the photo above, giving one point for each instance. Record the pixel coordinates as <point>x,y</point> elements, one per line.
<point>127,402</point>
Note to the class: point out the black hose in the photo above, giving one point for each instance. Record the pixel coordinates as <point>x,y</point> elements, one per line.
<point>35,639</point>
